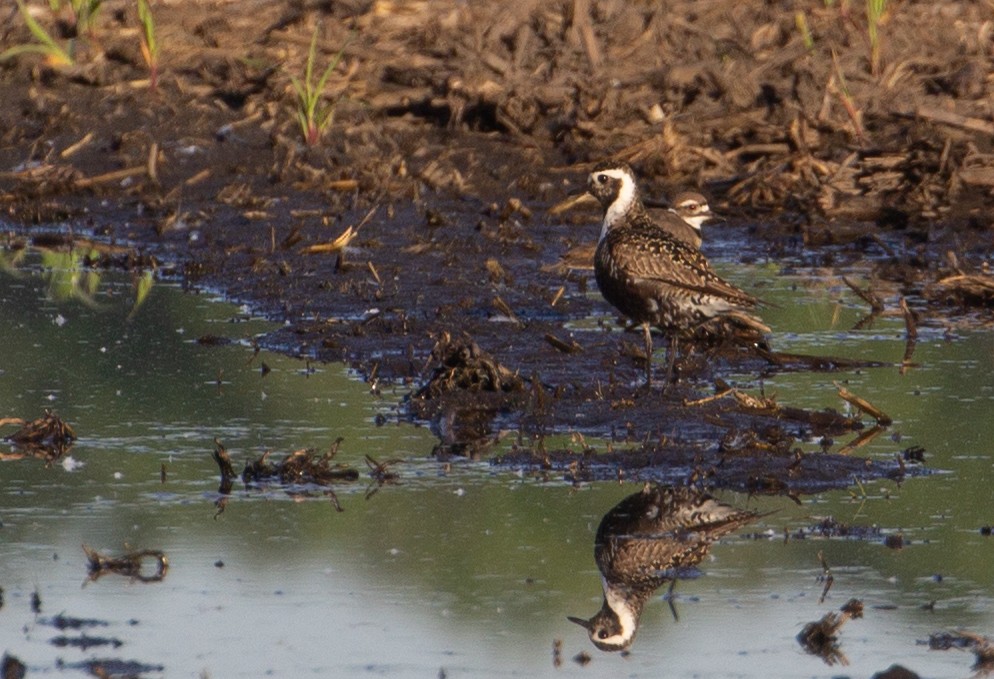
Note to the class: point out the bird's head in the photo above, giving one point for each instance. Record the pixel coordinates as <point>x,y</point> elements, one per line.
<point>692,208</point>
<point>614,187</point>
<point>613,627</point>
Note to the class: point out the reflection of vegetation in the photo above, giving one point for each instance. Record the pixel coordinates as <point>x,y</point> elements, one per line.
<point>68,277</point>
<point>71,273</point>
<point>143,286</point>
<point>11,259</point>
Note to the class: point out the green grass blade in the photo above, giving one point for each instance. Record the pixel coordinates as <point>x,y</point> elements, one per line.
<point>48,46</point>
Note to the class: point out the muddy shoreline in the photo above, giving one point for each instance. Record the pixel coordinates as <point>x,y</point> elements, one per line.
<point>457,129</point>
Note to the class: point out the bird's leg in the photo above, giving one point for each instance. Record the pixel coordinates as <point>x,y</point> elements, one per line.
<point>648,355</point>
<point>671,353</point>
<point>669,600</point>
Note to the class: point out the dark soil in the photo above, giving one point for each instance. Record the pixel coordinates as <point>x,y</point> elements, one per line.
<point>460,126</point>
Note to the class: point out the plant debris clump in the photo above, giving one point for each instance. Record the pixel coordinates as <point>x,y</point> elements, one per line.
<point>821,638</point>
<point>48,437</point>
<point>132,564</point>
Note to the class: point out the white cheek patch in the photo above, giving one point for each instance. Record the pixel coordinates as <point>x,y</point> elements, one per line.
<point>696,221</point>
<point>621,204</point>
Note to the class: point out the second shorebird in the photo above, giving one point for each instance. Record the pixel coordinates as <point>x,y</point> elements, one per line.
<point>693,210</point>
<point>652,277</point>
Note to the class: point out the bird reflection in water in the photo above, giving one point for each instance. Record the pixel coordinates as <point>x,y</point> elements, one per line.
<point>645,541</point>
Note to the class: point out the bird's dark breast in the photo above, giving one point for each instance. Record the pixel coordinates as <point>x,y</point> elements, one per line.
<point>640,298</point>
<point>649,561</point>
<point>649,536</point>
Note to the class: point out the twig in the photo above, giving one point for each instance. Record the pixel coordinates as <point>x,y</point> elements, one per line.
<point>571,347</point>
<point>868,296</point>
<point>864,406</point>
<point>861,440</point>
<point>911,335</point>
<point>114,176</point>
<point>506,309</point>
<point>332,246</point>
<point>827,575</point>
<point>955,119</point>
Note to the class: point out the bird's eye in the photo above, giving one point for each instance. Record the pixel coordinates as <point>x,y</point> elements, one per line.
<point>602,179</point>
<point>603,634</point>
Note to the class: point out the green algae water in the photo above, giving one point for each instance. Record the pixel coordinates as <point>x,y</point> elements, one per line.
<point>457,569</point>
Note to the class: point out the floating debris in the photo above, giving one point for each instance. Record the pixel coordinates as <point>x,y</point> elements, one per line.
<point>111,668</point>
<point>981,646</point>
<point>381,474</point>
<point>896,671</point>
<point>223,461</point>
<point>301,467</point>
<point>965,289</point>
<point>12,668</point>
<point>820,637</point>
<point>131,565</point>
<point>297,471</point>
<point>826,576</point>
<point>84,642</point>
<point>882,418</point>
<point>48,437</point>
<point>64,622</point>
<point>830,527</point>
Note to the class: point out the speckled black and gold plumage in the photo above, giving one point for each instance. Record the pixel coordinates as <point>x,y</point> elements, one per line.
<point>650,535</point>
<point>651,277</point>
<point>645,541</point>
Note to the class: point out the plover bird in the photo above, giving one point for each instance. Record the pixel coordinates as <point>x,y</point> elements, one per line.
<point>653,278</point>
<point>693,210</point>
<point>646,540</point>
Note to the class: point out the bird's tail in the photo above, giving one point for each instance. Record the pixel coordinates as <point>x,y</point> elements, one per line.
<point>746,321</point>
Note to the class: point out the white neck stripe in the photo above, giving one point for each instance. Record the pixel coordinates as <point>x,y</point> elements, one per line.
<point>626,616</point>
<point>621,205</point>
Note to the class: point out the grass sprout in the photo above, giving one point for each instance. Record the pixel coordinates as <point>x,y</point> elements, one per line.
<point>314,118</point>
<point>55,54</point>
<point>149,43</point>
<point>842,89</point>
<point>875,12</point>
<point>801,21</point>
<point>84,12</point>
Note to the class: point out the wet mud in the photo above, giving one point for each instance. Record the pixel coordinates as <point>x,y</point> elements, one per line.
<point>418,240</point>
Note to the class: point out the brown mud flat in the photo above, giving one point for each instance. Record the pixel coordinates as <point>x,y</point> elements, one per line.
<point>460,125</point>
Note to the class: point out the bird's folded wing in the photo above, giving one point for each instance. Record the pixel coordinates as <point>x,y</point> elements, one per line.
<point>669,262</point>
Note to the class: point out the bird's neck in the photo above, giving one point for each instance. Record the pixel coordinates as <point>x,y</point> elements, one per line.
<point>626,604</point>
<point>626,205</point>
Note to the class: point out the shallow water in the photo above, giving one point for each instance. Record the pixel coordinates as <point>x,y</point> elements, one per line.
<point>463,569</point>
